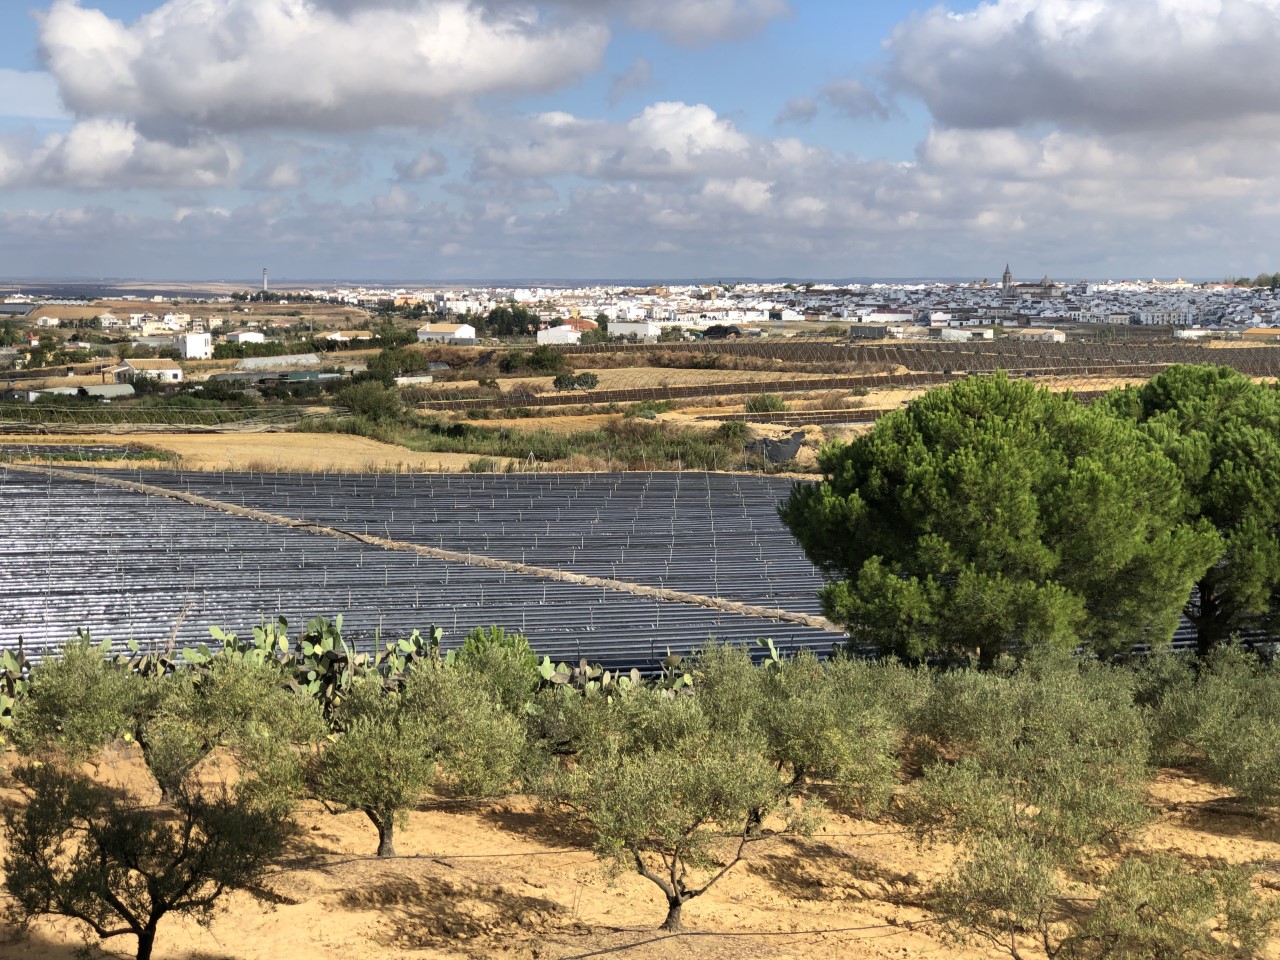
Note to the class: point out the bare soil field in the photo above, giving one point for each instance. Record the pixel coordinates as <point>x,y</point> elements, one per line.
<point>268,452</point>
<point>203,369</point>
<point>506,879</point>
<point>631,378</point>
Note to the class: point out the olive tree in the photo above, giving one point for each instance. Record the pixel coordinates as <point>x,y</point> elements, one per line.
<point>993,515</point>
<point>1033,772</point>
<point>662,792</point>
<point>120,864</point>
<point>1162,906</point>
<point>77,702</point>
<point>233,702</point>
<point>816,722</point>
<point>1226,721</point>
<point>442,731</point>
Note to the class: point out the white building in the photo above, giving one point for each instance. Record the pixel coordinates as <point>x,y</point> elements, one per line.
<point>194,346</point>
<point>1042,334</point>
<point>446,333</point>
<point>165,370</point>
<point>559,335</point>
<point>246,336</point>
<point>644,329</point>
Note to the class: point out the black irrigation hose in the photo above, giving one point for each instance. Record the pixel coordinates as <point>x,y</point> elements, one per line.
<point>896,928</point>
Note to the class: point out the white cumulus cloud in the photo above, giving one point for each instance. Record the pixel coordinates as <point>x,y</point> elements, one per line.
<point>667,139</point>
<point>103,152</point>
<point>1109,65</point>
<point>240,64</point>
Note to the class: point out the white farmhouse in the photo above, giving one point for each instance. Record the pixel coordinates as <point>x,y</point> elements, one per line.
<point>446,333</point>
<point>194,346</point>
<point>167,371</point>
<point>246,336</point>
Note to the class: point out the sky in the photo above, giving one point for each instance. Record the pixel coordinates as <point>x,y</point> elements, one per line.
<point>439,140</point>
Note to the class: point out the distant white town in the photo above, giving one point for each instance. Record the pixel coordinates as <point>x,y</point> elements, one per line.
<point>1041,310</point>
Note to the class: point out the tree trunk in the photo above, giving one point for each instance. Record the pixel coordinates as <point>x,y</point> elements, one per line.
<point>146,941</point>
<point>673,923</point>
<point>386,836</point>
<point>1208,629</point>
<point>1206,640</point>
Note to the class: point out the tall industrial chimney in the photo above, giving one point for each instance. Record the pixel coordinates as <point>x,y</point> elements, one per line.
<point>264,279</point>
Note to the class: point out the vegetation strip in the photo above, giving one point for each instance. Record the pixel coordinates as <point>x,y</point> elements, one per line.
<point>452,556</point>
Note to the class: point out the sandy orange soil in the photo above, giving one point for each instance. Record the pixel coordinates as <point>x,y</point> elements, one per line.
<point>506,879</point>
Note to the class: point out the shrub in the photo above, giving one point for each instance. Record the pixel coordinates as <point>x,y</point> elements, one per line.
<point>541,359</point>
<point>766,403</point>
<point>1228,723</point>
<point>581,381</point>
<point>372,400</point>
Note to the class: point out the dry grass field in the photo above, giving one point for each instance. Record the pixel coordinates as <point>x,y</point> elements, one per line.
<point>507,880</point>
<point>339,452</point>
<point>638,378</point>
<point>271,452</point>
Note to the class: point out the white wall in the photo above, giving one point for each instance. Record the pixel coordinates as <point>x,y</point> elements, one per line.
<point>559,335</point>
<point>627,328</point>
<point>465,331</point>
<point>194,346</point>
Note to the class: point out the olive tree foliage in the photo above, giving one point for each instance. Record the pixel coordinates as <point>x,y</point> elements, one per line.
<point>238,703</point>
<point>992,515</point>
<point>1223,719</point>
<point>442,732</point>
<point>1033,771</point>
<point>503,662</point>
<point>818,722</point>
<point>83,699</point>
<point>1223,433</point>
<point>119,863</point>
<point>666,794</point>
<point>1156,906</point>
<point>77,702</point>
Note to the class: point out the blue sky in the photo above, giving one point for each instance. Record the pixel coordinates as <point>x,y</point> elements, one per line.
<point>445,139</point>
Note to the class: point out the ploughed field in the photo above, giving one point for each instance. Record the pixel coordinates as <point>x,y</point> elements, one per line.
<point>81,553</point>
